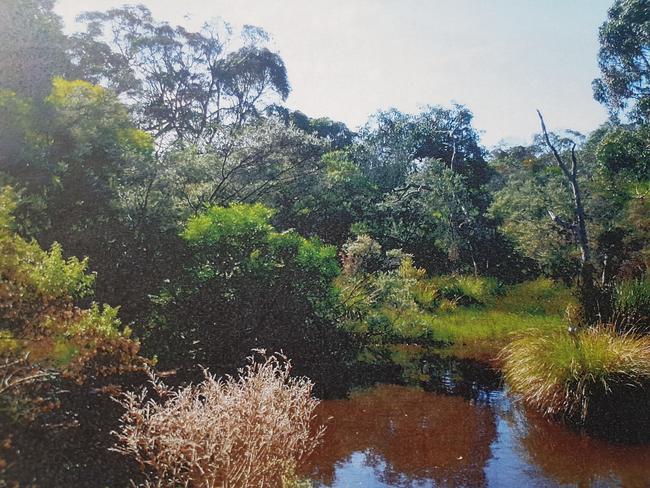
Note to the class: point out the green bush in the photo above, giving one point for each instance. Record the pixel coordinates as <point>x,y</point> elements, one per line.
<point>247,285</point>
<point>467,290</point>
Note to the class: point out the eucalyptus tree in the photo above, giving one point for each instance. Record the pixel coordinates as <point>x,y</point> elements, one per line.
<point>183,84</point>
<point>34,48</point>
<point>624,59</point>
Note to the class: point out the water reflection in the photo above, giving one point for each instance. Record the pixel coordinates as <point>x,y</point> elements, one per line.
<point>576,459</point>
<point>400,436</point>
<point>456,428</point>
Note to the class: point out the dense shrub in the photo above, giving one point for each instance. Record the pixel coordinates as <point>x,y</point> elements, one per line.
<point>56,359</point>
<point>251,430</point>
<point>247,285</point>
<point>468,290</point>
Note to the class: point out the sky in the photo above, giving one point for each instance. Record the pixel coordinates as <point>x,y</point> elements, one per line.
<point>346,59</point>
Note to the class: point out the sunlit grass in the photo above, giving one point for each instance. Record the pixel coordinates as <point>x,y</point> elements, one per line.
<point>470,332</point>
<point>540,296</point>
<point>559,373</point>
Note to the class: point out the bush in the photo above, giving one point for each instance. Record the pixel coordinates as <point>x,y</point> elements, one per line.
<point>247,431</point>
<point>564,374</point>
<point>468,290</point>
<point>245,286</point>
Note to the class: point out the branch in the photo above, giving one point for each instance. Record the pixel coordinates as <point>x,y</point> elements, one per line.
<point>561,222</point>
<point>558,158</point>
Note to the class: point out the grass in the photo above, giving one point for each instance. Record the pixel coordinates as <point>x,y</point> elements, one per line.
<point>473,317</point>
<point>247,431</point>
<point>469,332</point>
<point>563,374</point>
<point>632,304</point>
<point>539,297</point>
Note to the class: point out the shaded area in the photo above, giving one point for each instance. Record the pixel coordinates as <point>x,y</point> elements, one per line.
<point>569,457</point>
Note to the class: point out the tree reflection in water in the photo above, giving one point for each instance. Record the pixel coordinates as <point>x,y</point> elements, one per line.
<point>455,426</point>
<point>406,435</point>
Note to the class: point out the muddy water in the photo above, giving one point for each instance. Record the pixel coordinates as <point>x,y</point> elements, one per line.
<point>453,429</point>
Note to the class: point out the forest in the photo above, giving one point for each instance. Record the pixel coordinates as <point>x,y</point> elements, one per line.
<point>190,271</point>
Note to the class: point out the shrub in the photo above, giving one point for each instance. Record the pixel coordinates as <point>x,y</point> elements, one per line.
<point>467,290</point>
<point>252,430</point>
<point>247,285</point>
<point>564,374</point>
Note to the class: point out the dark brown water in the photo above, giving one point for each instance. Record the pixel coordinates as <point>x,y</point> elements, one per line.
<point>462,432</point>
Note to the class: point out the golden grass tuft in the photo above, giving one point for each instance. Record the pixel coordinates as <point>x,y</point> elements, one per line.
<point>252,430</point>
<point>565,374</point>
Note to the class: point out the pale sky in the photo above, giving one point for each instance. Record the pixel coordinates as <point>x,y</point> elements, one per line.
<point>346,59</point>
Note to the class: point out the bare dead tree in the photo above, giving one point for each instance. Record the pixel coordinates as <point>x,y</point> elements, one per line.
<point>579,228</point>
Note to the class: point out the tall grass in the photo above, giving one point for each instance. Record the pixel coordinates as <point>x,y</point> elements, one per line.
<point>631,304</point>
<point>540,296</point>
<point>234,432</point>
<point>564,374</point>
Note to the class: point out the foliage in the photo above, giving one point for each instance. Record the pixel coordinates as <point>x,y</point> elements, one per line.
<point>247,285</point>
<point>564,374</point>
<point>261,161</point>
<point>55,359</point>
<point>184,85</point>
<point>631,304</point>
<point>623,58</point>
<point>542,296</point>
<point>530,186</point>
<point>34,48</point>
<point>251,430</point>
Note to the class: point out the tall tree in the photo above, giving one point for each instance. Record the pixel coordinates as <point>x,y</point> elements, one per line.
<point>624,58</point>
<point>183,84</point>
<point>33,47</point>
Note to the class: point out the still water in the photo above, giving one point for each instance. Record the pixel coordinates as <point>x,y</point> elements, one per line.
<point>458,427</point>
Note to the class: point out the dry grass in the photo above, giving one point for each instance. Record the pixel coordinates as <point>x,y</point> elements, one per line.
<point>565,374</point>
<point>249,431</point>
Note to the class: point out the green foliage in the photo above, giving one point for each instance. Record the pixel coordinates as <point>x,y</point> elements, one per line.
<point>625,73</point>
<point>542,296</point>
<point>468,290</point>
<point>34,47</point>
<point>563,374</point>
<point>206,84</point>
<point>247,285</point>
<point>38,289</point>
<point>225,226</point>
<point>32,278</point>
<point>531,186</point>
<point>631,304</point>
<point>625,152</point>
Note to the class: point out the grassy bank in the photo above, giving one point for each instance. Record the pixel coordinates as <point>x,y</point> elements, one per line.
<point>468,317</point>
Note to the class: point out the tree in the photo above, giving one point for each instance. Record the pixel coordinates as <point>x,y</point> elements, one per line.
<point>527,185</point>
<point>571,176</point>
<point>33,47</point>
<point>624,59</point>
<point>182,84</point>
<point>257,162</point>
